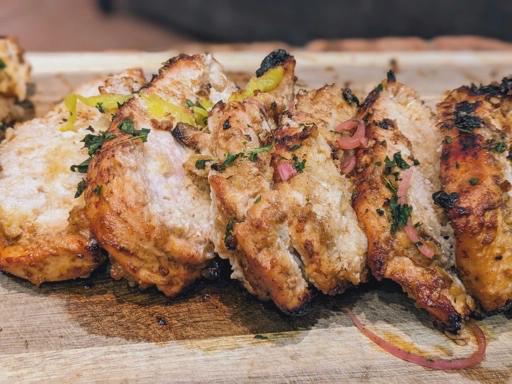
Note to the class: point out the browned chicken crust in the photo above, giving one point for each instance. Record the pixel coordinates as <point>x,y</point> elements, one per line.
<point>149,213</point>
<point>391,253</point>
<point>476,178</point>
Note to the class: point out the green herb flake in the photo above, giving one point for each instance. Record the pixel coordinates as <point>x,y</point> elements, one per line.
<point>299,165</point>
<point>189,103</point>
<point>82,167</point>
<point>260,337</point>
<point>126,126</point>
<point>389,185</point>
<point>388,165</point>
<point>474,181</point>
<point>230,158</point>
<point>448,140</point>
<point>500,147</point>
<point>400,214</point>
<point>400,162</point>
<point>253,153</point>
<point>99,107</point>
<point>2,64</point>
<point>258,199</point>
<point>201,163</point>
<point>93,143</point>
<point>80,188</point>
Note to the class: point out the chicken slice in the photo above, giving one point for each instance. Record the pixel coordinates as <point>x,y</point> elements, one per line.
<point>145,209</point>
<point>476,176</point>
<point>43,233</point>
<point>283,236</point>
<point>408,240</point>
<point>242,133</point>
<point>14,84</point>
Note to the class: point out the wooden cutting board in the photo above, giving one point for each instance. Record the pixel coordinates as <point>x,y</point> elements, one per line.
<point>99,330</point>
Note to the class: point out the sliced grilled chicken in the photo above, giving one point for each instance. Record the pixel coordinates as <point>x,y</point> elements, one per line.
<point>242,132</point>
<point>284,218</point>
<point>145,209</point>
<point>408,240</point>
<point>476,176</point>
<point>43,233</point>
<point>14,82</point>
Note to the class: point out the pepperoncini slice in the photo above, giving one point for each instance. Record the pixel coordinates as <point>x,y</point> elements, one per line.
<point>267,82</point>
<point>70,104</point>
<point>159,108</point>
<point>108,102</point>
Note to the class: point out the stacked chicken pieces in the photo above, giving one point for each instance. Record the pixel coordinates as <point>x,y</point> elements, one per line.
<point>300,191</point>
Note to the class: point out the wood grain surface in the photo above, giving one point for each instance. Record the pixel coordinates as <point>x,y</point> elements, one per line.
<point>99,330</point>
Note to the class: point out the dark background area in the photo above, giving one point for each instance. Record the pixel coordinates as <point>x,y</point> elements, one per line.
<point>299,21</point>
<point>191,25</point>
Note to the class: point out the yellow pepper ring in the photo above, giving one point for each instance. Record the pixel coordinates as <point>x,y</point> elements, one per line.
<point>109,102</point>
<point>267,82</point>
<point>158,108</point>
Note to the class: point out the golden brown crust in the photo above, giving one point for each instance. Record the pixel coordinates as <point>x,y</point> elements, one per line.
<point>391,254</point>
<point>476,171</point>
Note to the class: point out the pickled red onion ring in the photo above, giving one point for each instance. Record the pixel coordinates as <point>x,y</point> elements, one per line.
<point>285,170</point>
<point>466,362</point>
<point>348,163</point>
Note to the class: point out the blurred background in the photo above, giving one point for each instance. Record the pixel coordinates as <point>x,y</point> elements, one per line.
<point>79,25</point>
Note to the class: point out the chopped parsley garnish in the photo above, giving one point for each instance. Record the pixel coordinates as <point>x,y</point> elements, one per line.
<point>2,64</point>
<point>80,188</point>
<point>99,107</point>
<point>82,167</point>
<point>201,163</point>
<point>448,140</point>
<point>389,185</point>
<point>94,142</point>
<point>253,153</point>
<point>498,147</point>
<point>126,126</point>
<point>226,124</point>
<point>474,181</point>
<point>400,214</point>
<point>299,165</point>
<point>260,337</point>
<point>400,162</point>
<point>397,161</point>
<point>229,238</point>
<point>257,200</point>
<point>189,103</point>
<point>230,158</point>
